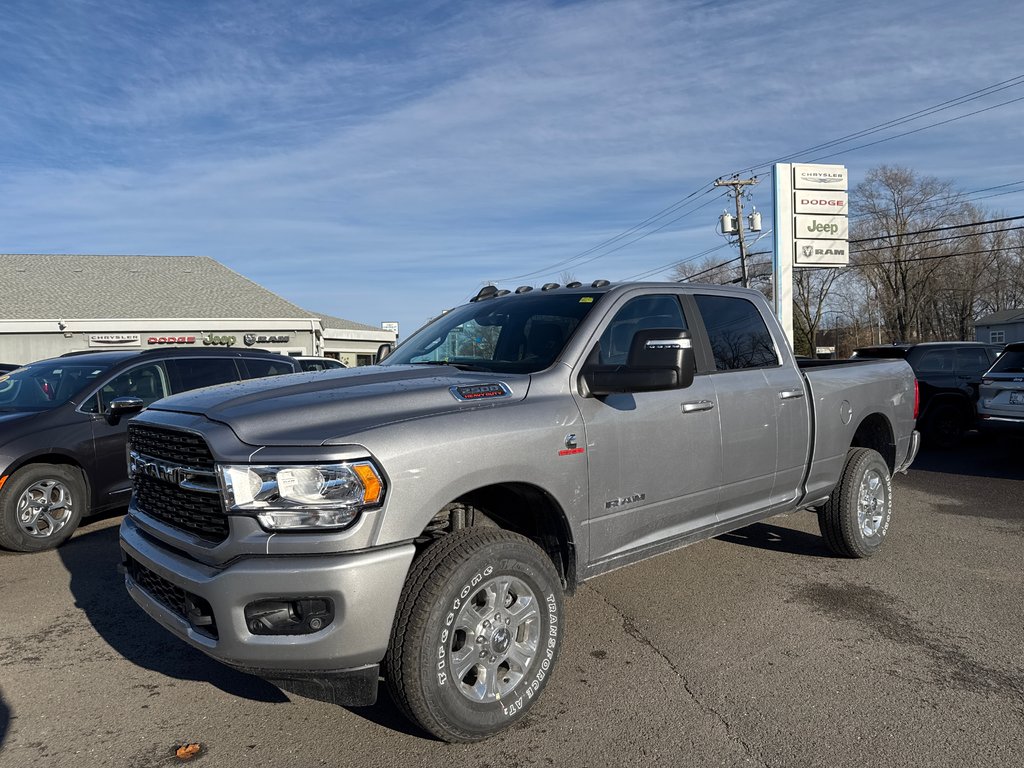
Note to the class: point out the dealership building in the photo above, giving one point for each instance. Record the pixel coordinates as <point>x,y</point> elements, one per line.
<point>50,305</point>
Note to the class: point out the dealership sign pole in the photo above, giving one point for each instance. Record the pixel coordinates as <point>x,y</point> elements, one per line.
<point>811,227</point>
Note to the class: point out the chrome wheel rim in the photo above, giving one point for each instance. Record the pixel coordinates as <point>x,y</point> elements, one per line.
<point>494,639</point>
<point>871,503</point>
<point>45,508</point>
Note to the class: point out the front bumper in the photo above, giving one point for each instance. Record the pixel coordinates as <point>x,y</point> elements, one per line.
<point>205,606</point>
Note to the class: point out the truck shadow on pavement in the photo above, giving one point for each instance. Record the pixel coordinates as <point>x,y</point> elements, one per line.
<point>5,721</point>
<point>778,539</point>
<point>92,559</point>
<point>995,456</point>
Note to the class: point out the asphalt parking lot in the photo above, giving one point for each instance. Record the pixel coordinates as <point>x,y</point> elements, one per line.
<point>757,648</point>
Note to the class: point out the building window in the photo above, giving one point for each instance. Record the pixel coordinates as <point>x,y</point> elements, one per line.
<point>997,337</point>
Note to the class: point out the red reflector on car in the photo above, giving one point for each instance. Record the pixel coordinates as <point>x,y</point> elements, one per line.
<point>917,399</point>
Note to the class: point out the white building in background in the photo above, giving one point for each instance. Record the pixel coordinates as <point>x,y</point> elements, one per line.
<point>52,304</point>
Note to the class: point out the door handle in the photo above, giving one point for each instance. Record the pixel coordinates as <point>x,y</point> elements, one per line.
<point>790,394</point>
<point>700,405</point>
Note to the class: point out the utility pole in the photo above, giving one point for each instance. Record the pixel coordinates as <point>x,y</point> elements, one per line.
<point>737,190</point>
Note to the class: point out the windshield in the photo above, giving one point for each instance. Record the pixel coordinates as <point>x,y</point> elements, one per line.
<point>45,385</point>
<point>508,334</point>
<point>1011,361</point>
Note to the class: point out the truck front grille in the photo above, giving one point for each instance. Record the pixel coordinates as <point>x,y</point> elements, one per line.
<point>196,512</point>
<point>183,448</point>
<point>165,487</point>
<point>183,603</point>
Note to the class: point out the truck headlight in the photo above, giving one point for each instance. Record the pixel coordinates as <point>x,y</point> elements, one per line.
<point>297,497</point>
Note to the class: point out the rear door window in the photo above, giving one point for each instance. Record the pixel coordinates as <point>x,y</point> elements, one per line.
<point>193,372</point>
<point>972,361</point>
<point>738,335</point>
<point>259,367</point>
<point>936,361</point>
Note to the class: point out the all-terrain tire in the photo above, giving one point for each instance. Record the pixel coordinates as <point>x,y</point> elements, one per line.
<point>855,520</point>
<point>476,635</point>
<point>40,507</point>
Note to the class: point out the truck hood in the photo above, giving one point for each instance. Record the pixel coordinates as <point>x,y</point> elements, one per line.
<point>324,407</point>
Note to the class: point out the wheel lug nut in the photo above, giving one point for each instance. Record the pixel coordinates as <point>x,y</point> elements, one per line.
<point>483,654</point>
<point>487,623</point>
<point>481,639</point>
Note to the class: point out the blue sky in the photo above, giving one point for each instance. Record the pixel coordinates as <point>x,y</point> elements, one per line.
<point>381,161</point>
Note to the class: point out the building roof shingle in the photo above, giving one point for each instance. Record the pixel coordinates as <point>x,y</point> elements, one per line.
<point>1001,317</point>
<point>89,287</point>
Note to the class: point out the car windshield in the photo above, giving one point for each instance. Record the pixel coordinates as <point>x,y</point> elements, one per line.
<point>1011,361</point>
<point>45,385</point>
<point>508,334</point>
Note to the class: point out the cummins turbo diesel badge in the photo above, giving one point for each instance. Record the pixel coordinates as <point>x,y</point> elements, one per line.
<point>481,391</point>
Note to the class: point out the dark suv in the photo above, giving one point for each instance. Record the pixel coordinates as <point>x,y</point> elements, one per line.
<point>62,429</point>
<point>948,375</point>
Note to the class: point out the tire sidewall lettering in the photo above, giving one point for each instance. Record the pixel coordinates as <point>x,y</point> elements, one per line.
<point>548,643</point>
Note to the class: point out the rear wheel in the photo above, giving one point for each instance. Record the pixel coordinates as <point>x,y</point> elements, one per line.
<point>855,519</point>
<point>476,635</point>
<point>946,426</point>
<point>40,507</point>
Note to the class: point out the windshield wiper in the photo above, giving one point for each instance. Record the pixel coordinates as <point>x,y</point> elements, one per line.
<point>460,366</point>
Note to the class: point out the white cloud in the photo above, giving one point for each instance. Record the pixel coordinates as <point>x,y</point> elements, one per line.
<point>368,165</point>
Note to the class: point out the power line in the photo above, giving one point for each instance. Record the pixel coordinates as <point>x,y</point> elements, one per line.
<point>945,239</point>
<point>934,257</point>
<point>935,229</point>
<point>679,204</point>
<point>948,104</point>
<point>625,233</point>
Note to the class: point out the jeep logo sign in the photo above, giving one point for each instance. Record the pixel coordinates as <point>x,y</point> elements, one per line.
<point>824,227</point>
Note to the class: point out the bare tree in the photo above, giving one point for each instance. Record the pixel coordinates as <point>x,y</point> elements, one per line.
<point>899,255</point>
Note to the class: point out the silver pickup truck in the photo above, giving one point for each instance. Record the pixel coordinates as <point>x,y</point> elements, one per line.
<point>420,520</point>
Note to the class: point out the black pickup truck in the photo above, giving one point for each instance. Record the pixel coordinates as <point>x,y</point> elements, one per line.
<point>948,374</point>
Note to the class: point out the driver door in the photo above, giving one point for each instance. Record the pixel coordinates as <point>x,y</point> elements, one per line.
<point>654,458</point>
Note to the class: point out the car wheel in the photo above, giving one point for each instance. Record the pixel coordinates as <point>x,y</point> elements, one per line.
<point>855,520</point>
<point>945,427</point>
<point>476,635</point>
<point>40,507</point>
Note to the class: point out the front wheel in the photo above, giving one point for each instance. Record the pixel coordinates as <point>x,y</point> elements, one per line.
<point>40,507</point>
<point>855,519</point>
<point>476,635</point>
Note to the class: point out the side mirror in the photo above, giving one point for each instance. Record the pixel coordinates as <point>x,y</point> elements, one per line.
<point>659,359</point>
<point>123,406</point>
<point>384,350</point>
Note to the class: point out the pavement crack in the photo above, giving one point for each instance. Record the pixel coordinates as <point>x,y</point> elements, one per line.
<point>634,631</point>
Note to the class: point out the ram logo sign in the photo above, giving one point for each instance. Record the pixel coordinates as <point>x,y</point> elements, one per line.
<point>821,253</point>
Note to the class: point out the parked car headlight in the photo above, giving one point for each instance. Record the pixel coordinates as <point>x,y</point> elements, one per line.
<point>301,497</point>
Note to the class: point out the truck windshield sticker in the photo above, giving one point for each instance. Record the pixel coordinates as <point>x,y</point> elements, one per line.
<point>481,391</point>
